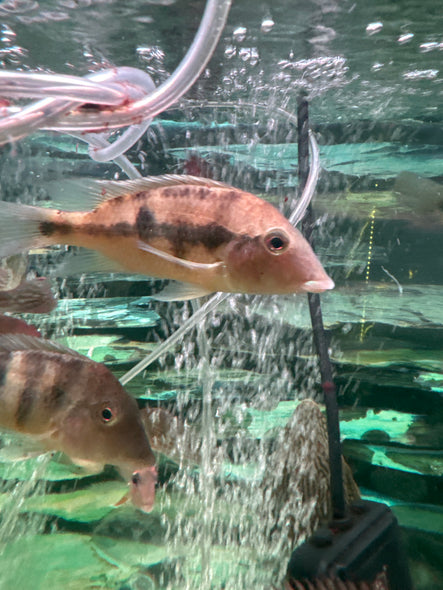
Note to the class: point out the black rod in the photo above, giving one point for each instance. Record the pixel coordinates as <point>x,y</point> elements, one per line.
<point>320,340</point>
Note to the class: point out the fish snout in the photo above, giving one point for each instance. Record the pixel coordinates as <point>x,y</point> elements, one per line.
<point>318,285</point>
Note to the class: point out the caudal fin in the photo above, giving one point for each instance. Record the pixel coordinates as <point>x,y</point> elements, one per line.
<point>20,228</point>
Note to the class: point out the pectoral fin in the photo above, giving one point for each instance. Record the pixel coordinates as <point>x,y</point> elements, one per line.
<point>178,261</point>
<point>176,291</point>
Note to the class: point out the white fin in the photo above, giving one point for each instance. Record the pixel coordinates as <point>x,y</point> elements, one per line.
<point>73,194</point>
<point>86,261</point>
<point>14,342</point>
<point>84,194</point>
<point>179,261</point>
<point>176,291</point>
<point>19,228</point>
<point>104,190</point>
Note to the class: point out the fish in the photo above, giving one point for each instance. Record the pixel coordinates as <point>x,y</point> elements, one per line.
<point>423,195</point>
<point>11,325</point>
<point>72,404</point>
<point>203,235</point>
<point>33,296</point>
<point>296,485</point>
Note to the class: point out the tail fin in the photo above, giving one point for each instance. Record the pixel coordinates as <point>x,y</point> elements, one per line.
<point>20,228</point>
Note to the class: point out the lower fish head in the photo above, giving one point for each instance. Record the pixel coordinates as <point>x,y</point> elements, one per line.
<point>278,261</point>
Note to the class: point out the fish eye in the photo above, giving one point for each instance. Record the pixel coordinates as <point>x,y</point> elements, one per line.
<point>107,414</point>
<point>276,241</point>
<point>136,479</point>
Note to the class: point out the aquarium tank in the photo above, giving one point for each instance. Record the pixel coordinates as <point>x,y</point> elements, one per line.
<point>94,96</point>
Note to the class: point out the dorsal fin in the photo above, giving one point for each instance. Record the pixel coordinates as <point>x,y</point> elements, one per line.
<point>15,342</point>
<point>83,194</point>
<point>103,190</point>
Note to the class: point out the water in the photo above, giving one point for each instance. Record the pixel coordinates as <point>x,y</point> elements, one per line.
<point>372,74</point>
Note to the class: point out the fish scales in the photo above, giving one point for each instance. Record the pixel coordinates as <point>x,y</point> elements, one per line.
<point>34,387</point>
<point>151,215</point>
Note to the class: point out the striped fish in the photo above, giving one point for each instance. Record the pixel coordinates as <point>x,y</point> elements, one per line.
<point>205,235</point>
<point>72,404</point>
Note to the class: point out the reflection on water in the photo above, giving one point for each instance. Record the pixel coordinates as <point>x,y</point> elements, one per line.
<point>372,72</point>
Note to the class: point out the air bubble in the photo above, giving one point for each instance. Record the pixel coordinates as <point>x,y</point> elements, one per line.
<point>230,51</point>
<point>405,38</point>
<point>431,46</point>
<point>374,28</point>
<point>239,34</point>
<point>267,25</point>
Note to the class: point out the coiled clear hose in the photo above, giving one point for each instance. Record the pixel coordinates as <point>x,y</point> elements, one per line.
<point>63,114</point>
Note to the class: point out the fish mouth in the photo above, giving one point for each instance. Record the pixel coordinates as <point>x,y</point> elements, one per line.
<point>318,286</point>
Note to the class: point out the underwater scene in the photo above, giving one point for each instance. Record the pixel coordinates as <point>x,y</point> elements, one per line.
<point>162,416</point>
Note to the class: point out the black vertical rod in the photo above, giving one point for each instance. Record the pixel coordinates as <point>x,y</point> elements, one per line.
<point>328,385</point>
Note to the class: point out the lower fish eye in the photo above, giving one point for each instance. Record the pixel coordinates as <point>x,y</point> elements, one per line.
<point>276,242</point>
<point>107,414</point>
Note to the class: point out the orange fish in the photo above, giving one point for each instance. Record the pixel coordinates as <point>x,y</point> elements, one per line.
<point>206,235</point>
<point>72,404</point>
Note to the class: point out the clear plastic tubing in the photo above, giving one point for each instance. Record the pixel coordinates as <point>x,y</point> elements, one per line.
<point>311,183</point>
<point>54,85</point>
<point>166,94</point>
<point>46,111</point>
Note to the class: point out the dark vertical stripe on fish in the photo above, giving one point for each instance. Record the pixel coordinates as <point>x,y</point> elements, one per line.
<point>24,406</point>
<point>55,397</point>
<point>145,223</point>
<point>47,228</point>
<point>181,234</point>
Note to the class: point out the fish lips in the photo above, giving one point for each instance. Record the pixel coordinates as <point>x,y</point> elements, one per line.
<point>318,286</point>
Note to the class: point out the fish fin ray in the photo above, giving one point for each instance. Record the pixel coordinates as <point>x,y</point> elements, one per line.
<point>19,228</point>
<point>189,264</point>
<point>103,190</point>
<point>177,291</point>
<point>86,261</point>
<point>74,194</point>
<point>124,500</point>
<point>83,194</point>
<point>15,342</point>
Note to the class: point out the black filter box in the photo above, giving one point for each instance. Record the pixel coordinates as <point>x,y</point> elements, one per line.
<point>364,548</point>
